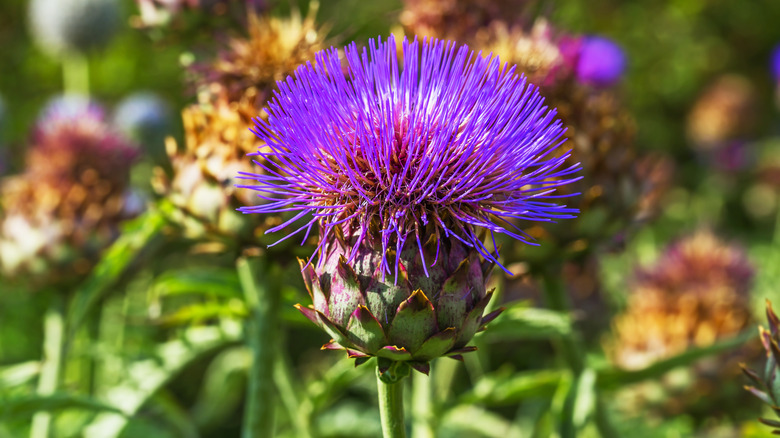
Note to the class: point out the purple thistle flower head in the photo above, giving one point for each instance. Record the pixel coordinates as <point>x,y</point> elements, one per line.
<point>447,145</point>
<point>774,63</point>
<point>601,62</point>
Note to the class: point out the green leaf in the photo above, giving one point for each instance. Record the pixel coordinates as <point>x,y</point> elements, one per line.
<point>611,377</point>
<point>146,377</point>
<point>23,407</point>
<point>468,420</point>
<point>201,312</point>
<point>19,374</point>
<point>506,387</point>
<point>213,282</point>
<point>522,322</point>
<point>342,375</point>
<point>139,236</point>
<point>585,399</point>
<point>222,388</point>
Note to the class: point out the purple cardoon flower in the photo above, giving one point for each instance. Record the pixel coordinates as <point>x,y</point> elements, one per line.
<point>402,168</point>
<point>601,62</point>
<point>453,141</point>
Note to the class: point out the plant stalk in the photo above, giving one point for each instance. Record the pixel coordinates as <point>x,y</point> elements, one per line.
<point>422,406</point>
<point>391,408</point>
<point>53,352</point>
<point>75,74</point>
<point>262,299</point>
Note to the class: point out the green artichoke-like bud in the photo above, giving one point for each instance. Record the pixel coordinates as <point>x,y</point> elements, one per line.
<point>412,318</point>
<point>768,386</point>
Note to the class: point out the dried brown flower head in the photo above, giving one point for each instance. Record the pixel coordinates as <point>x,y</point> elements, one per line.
<point>233,90</point>
<point>453,19</point>
<point>726,111</point>
<point>67,205</point>
<point>695,295</point>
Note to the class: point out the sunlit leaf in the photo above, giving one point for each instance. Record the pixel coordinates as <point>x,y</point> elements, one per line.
<point>504,387</point>
<point>214,282</point>
<point>477,422</point>
<point>585,399</point>
<point>146,377</point>
<point>202,312</point>
<point>19,374</point>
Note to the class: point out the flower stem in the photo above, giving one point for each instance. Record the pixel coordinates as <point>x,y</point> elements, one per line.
<point>422,406</point>
<point>263,301</point>
<point>391,408</point>
<point>53,345</point>
<point>75,74</point>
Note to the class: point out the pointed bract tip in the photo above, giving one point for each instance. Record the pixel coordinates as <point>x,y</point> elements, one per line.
<point>422,367</point>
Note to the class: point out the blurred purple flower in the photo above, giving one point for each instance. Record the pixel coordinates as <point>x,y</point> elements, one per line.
<point>774,63</point>
<point>601,62</point>
<point>452,144</point>
<point>72,135</point>
<point>733,157</point>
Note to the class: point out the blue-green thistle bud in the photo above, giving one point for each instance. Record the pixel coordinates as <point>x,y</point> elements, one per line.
<point>61,26</point>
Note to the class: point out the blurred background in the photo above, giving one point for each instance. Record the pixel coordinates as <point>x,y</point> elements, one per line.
<point>668,271</point>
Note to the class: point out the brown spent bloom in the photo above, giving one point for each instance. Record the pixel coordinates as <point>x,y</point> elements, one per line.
<point>695,295</point>
<point>620,187</point>
<point>726,111</point>
<point>248,68</point>
<point>451,19</point>
<point>67,205</point>
<point>232,91</point>
<point>545,58</point>
<point>217,139</point>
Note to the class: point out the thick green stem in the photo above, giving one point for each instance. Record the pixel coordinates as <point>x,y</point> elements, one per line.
<point>391,407</point>
<point>422,406</point>
<point>75,74</point>
<point>53,345</point>
<point>263,300</point>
